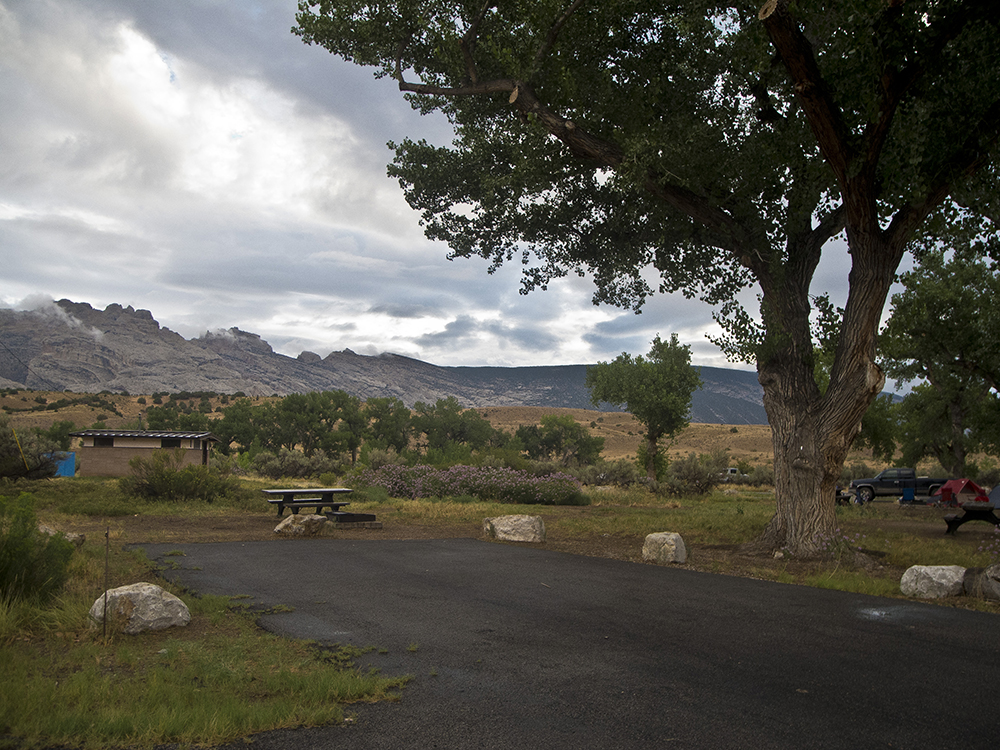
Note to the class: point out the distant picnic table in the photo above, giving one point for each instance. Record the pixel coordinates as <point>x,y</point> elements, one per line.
<point>294,498</point>
<point>972,511</point>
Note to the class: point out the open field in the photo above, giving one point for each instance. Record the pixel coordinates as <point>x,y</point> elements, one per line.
<point>622,433</point>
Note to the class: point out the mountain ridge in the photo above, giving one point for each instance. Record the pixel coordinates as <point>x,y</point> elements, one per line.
<point>73,346</point>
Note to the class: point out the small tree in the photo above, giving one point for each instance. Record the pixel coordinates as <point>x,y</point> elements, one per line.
<point>655,389</point>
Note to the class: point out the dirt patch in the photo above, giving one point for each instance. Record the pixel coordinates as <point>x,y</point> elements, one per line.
<point>725,559</point>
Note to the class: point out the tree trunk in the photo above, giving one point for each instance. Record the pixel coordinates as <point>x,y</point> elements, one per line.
<point>652,447</point>
<point>812,431</point>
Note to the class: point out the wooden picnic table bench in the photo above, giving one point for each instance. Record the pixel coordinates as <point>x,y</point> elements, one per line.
<point>293,499</point>
<point>320,498</point>
<point>974,511</point>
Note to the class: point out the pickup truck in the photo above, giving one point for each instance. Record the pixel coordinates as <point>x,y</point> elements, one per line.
<point>893,482</point>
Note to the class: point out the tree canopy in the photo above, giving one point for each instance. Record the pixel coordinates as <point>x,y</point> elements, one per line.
<point>720,144</point>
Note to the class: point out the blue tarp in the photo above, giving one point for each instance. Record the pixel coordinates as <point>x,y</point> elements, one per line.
<point>65,463</point>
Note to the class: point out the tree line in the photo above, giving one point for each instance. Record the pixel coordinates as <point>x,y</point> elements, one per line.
<point>337,423</point>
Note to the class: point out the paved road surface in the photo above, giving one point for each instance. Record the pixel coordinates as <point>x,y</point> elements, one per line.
<point>527,648</point>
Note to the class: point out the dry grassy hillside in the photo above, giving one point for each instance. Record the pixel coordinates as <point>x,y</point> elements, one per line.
<point>621,433</point>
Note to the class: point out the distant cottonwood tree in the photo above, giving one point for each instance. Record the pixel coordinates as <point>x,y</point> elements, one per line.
<point>721,144</point>
<point>655,389</point>
<point>945,333</point>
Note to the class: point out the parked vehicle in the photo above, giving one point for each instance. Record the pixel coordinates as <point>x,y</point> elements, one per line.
<point>895,482</point>
<point>731,474</point>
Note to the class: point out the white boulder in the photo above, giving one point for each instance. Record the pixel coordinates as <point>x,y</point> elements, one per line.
<point>664,547</point>
<point>515,528</point>
<point>301,524</point>
<point>140,607</point>
<point>933,581</point>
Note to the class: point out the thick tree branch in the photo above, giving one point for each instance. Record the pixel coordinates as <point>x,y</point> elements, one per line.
<point>468,43</point>
<point>821,111</point>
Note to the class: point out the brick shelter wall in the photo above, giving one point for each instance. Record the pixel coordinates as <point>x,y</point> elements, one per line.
<point>113,461</point>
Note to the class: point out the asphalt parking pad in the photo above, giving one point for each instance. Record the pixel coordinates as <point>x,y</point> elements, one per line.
<point>513,646</point>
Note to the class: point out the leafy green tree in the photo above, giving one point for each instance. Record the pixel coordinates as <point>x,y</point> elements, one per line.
<point>238,426</point>
<point>448,422</point>
<point>172,418</point>
<point>562,438</point>
<point>352,424</point>
<point>308,421</point>
<point>58,433</point>
<point>944,333</point>
<point>720,144</point>
<point>655,389</point>
<point>389,423</point>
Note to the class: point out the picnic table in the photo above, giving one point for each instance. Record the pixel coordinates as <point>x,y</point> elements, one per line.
<point>973,511</point>
<point>294,498</point>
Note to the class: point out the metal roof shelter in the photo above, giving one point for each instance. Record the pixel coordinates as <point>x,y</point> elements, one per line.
<point>108,452</point>
<point>156,434</point>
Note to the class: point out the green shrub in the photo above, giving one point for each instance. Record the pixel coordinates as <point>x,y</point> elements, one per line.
<point>33,565</point>
<point>24,454</point>
<point>488,484</point>
<point>164,477</point>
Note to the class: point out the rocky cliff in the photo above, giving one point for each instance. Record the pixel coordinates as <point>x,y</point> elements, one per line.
<point>75,347</point>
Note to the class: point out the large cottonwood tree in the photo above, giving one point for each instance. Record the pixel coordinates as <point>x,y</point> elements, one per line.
<point>721,144</point>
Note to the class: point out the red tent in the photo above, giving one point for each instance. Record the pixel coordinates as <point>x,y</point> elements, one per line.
<point>960,491</point>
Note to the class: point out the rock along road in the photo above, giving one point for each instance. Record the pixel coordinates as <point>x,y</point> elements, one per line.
<point>520,647</point>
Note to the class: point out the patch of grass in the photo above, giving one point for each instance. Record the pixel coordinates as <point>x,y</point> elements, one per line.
<point>853,580</point>
<point>221,684</point>
<point>216,680</point>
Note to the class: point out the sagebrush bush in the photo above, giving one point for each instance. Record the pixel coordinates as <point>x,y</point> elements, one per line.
<point>760,475</point>
<point>495,484</point>
<point>33,565</point>
<point>164,477</point>
<point>376,458</point>
<point>295,464</point>
<point>692,475</point>
<point>621,473</point>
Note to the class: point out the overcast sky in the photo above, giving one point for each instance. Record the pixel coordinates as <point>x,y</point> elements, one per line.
<point>195,159</point>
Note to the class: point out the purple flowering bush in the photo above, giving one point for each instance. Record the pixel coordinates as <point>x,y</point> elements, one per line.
<point>490,483</point>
